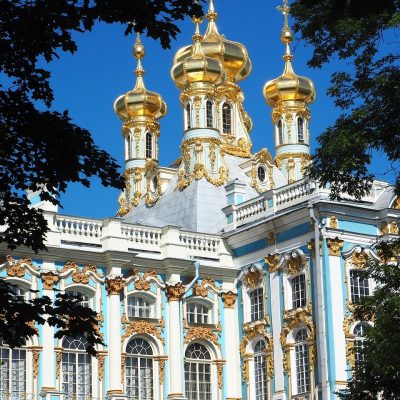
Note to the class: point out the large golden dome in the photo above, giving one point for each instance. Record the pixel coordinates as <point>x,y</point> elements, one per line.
<point>234,56</point>
<point>197,67</point>
<point>140,101</point>
<point>289,86</point>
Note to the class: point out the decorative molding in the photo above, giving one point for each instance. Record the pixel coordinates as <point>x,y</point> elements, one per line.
<point>174,292</point>
<point>49,279</point>
<point>201,332</point>
<point>220,369</point>
<point>334,246</point>
<point>114,286</point>
<point>144,327</point>
<point>100,360</point>
<point>17,269</point>
<point>333,222</point>
<point>272,261</point>
<point>161,368</point>
<point>229,299</point>
<point>389,228</point>
<point>35,363</point>
<point>123,367</point>
<point>58,362</point>
<point>271,238</point>
<point>294,261</point>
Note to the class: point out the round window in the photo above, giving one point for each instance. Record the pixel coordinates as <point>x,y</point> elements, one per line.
<point>261,173</point>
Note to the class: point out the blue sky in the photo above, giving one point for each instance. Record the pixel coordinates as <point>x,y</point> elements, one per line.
<point>87,83</point>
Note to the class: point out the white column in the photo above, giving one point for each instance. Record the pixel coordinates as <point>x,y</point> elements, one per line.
<point>232,366</point>
<point>337,301</point>
<point>277,324</point>
<point>114,287</point>
<point>175,345</point>
<point>49,278</point>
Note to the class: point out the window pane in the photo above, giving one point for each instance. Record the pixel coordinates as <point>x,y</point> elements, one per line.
<point>226,118</point>
<point>359,287</point>
<point>197,313</point>
<point>299,298</point>
<point>209,114</point>
<point>139,307</point>
<point>257,304</point>
<point>260,371</point>
<point>302,363</point>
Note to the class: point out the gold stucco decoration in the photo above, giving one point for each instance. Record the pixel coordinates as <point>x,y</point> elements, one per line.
<point>35,363</point>
<point>334,246</point>
<point>333,222</point>
<point>142,327</point>
<point>271,238</point>
<point>58,362</point>
<point>161,368</point>
<point>229,299</point>
<point>390,228</point>
<point>272,261</point>
<point>100,360</point>
<point>17,269</point>
<point>220,369</point>
<point>49,279</point>
<point>252,279</point>
<point>201,332</point>
<point>114,286</point>
<point>174,292</point>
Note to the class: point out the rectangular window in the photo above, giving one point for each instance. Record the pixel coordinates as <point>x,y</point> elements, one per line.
<point>197,313</point>
<point>139,307</point>
<point>257,304</point>
<point>302,368</point>
<point>359,287</point>
<point>299,296</point>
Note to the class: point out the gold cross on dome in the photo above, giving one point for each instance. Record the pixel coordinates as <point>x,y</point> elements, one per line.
<point>285,10</point>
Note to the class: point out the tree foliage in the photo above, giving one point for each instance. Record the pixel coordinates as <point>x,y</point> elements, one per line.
<point>19,317</point>
<point>40,148</point>
<point>367,92</point>
<point>378,370</point>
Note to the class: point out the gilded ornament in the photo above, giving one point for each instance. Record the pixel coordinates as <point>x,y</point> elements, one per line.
<point>272,261</point>
<point>311,246</point>
<point>161,368</point>
<point>114,286</point>
<point>174,292</point>
<point>201,332</point>
<point>396,203</point>
<point>141,327</point>
<point>290,170</point>
<point>390,228</point>
<point>334,246</point>
<point>289,121</point>
<point>359,259</point>
<point>123,367</point>
<point>35,363</point>
<point>271,238</point>
<point>49,279</point>
<point>220,369</point>
<point>58,363</point>
<point>284,156</point>
<point>137,132</point>
<point>16,269</point>
<point>333,222</point>
<point>252,279</point>
<point>199,290</point>
<point>294,263</point>
<point>229,299</point>
<point>100,360</point>
<point>212,155</point>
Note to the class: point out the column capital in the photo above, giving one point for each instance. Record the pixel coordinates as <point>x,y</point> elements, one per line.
<point>229,299</point>
<point>174,292</point>
<point>334,246</point>
<point>49,279</point>
<point>115,285</point>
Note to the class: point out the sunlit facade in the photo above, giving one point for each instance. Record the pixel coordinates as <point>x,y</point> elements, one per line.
<point>225,276</point>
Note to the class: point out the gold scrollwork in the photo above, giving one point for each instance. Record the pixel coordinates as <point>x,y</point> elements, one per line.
<point>115,285</point>
<point>174,292</point>
<point>49,279</point>
<point>390,228</point>
<point>16,269</point>
<point>252,279</point>
<point>229,299</point>
<point>201,332</point>
<point>141,327</point>
<point>334,246</point>
<point>272,261</point>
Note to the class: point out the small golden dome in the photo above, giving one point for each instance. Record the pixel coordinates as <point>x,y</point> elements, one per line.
<point>140,101</point>
<point>197,67</point>
<point>289,86</point>
<point>235,59</point>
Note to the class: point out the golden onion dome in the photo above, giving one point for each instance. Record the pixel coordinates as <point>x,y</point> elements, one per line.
<point>234,56</point>
<point>289,86</point>
<point>140,102</point>
<point>197,67</point>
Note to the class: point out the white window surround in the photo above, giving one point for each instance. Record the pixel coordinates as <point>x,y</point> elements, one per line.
<point>14,372</point>
<point>209,114</point>
<point>20,288</point>
<point>211,305</point>
<point>213,367</point>
<point>157,351</point>
<point>287,286</point>
<point>292,356</point>
<point>150,298</point>
<point>232,118</point>
<point>88,292</point>
<point>371,283</point>
<point>247,315</point>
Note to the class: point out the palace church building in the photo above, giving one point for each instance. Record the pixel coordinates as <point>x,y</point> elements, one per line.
<point>228,275</point>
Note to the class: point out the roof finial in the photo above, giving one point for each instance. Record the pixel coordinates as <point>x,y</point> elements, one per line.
<point>139,53</point>
<point>211,14</point>
<point>196,51</point>
<point>286,35</point>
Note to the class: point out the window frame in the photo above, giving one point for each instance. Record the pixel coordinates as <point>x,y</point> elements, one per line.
<point>13,373</point>
<point>260,360</point>
<point>301,348</point>
<point>198,303</point>
<point>279,133</point>
<point>209,114</point>
<point>257,309</point>
<point>227,118</point>
<point>188,116</point>
<point>301,137</point>
<point>303,298</point>
<point>144,297</point>
<point>149,145</point>
<point>356,296</point>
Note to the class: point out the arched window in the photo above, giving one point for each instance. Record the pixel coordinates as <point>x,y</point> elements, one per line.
<point>85,300</point>
<point>300,130</point>
<point>197,372</point>
<point>188,117</point>
<point>261,173</point>
<point>197,313</point>
<point>12,372</point>
<point>209,114</point>
<point>302,362</point>
<point>129,146</point>
<point>149,145</point>
<point>359,332</point>
<point>260,369</point>
<point>139,306</point>
<point>299,292</point>
<point>257,304</point>
<point>139,369</point>
<point>280,132</point>
<point>76,369</point>
<point>359,286</point>
<point>226,118</point>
